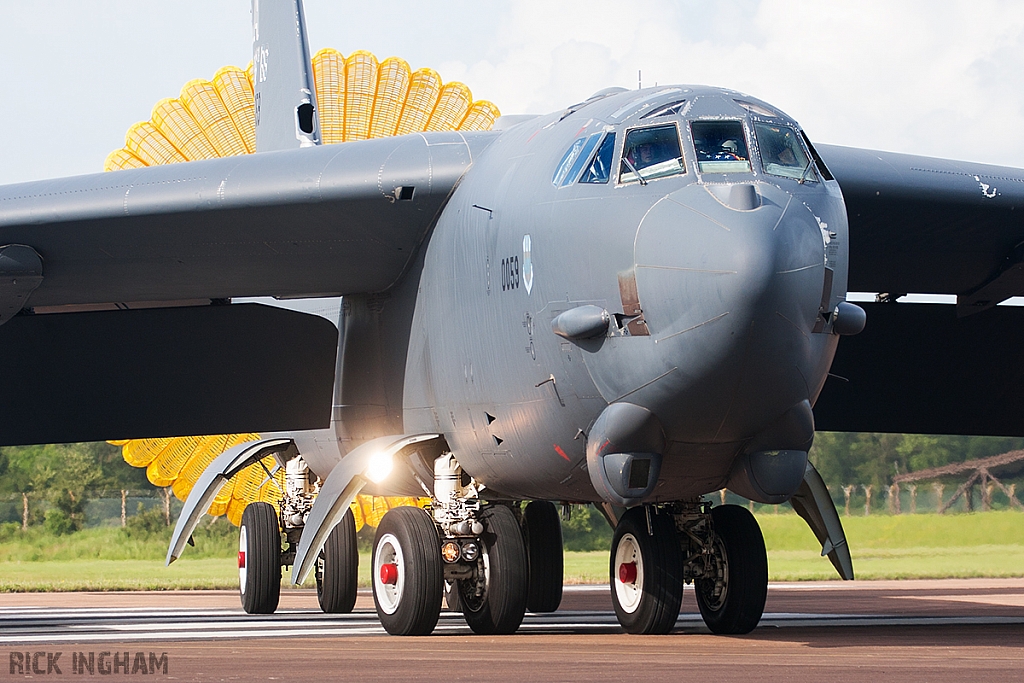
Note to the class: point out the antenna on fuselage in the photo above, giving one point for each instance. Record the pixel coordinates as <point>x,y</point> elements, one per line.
<point>282,77</point>
<point>639,80</point>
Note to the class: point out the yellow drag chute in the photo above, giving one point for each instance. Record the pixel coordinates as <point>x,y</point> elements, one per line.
<point>358,97</point>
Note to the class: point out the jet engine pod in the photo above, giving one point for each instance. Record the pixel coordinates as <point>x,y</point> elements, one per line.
<point>768,476</point>
<point>624,453</point>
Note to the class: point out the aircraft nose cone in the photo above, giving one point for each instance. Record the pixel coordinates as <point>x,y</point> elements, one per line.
<point>731,297</point>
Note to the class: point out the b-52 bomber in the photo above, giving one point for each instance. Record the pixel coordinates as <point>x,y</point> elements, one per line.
<point>631,302</point>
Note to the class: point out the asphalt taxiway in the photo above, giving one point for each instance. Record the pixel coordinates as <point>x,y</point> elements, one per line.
<point>829,631</point>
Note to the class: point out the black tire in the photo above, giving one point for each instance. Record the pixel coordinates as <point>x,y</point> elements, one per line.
<point>649,602</point>
<point>407,539</point>
<point>259,572</point>
<point>500,606</point>
<point>736,607</point>
<point>337,569</point>
<point>542,530</point>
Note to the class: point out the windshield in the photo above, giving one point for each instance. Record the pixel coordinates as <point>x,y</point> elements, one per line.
<point>572,162</point>
<point>781,152</point>
<point>721,147</point>
<point>652,153</point>
<point>600,168</point>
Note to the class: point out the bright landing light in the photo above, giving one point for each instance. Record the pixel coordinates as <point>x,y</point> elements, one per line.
<point>380,466</point>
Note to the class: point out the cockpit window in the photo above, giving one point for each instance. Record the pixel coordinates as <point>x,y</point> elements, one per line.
<point>755,108</point>
<point>601,167</point>
<point>721,147</point>
<point>666,110</point>
<point>781,152</point>
<point>572,162</point>
<point>651,153</point>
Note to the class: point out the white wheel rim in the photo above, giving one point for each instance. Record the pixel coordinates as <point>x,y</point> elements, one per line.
<point>242,542</point>
<point>628,595</point>
<point>389,595</point>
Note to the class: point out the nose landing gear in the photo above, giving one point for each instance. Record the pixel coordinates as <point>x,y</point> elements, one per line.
<point>656,549</point>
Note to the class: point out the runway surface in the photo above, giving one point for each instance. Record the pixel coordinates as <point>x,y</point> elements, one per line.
<point>830,631</point>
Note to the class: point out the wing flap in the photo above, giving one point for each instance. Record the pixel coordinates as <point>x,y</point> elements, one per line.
<point>165,372</point>
<point>917,368</point>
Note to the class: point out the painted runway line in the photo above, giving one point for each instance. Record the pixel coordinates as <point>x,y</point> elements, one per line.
<point>22,626</point>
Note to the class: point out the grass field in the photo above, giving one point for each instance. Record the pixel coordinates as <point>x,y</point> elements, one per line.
<point>908,546</point>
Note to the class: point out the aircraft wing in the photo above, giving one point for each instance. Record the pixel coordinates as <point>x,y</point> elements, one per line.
<point>922,225</point>
<point>327,220</point>
<point>120,344</point>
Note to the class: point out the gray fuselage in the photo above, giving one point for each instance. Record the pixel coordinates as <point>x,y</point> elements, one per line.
<point>717,303</point>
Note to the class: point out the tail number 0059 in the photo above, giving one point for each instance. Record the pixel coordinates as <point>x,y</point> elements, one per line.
<point>509,273</point>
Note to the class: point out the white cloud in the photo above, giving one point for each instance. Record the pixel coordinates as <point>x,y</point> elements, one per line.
<point>935,78</point>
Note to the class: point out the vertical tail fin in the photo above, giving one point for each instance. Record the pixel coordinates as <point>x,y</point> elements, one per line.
<point>286,111</point>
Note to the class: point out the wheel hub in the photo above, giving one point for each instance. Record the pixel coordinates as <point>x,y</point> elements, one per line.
<point>629,584</point>
<point>389,574</point>
<point>389,582</point>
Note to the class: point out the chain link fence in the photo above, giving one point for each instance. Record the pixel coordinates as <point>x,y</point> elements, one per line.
<point>103,507</point>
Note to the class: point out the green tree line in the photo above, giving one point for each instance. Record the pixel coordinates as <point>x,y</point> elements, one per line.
<point>63,474</point>
<point>863,458</point>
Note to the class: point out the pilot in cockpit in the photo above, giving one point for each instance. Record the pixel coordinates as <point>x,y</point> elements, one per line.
<point>642,155</point>
<point>651,153</point>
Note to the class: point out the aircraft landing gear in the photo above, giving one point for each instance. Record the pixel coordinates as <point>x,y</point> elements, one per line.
<point>472,554</point>
<point>647,585</point>
<point>337,569</point>
<point>407,574</point>
<point>259,559</point>
<point>656,549</point>
<point>542,531</point>
<point>732,593</point>
<point>493,597</point>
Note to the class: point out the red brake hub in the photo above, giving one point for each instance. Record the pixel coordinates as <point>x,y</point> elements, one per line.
<point>241,559</point>
<point>389,574</point>
<point>627,572</point>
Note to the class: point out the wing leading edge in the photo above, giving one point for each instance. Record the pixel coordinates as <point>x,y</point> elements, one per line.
<point>318,221</point>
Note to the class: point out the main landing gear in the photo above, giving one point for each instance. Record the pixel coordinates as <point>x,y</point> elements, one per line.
<point>490,562</point>
<point>656,549</point>
<point>260,555</point>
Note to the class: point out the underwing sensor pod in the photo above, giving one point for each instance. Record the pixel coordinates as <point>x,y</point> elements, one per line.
<point>632,302</point>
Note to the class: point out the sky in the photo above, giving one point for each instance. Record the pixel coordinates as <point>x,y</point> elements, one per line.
<point>938,77</point>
